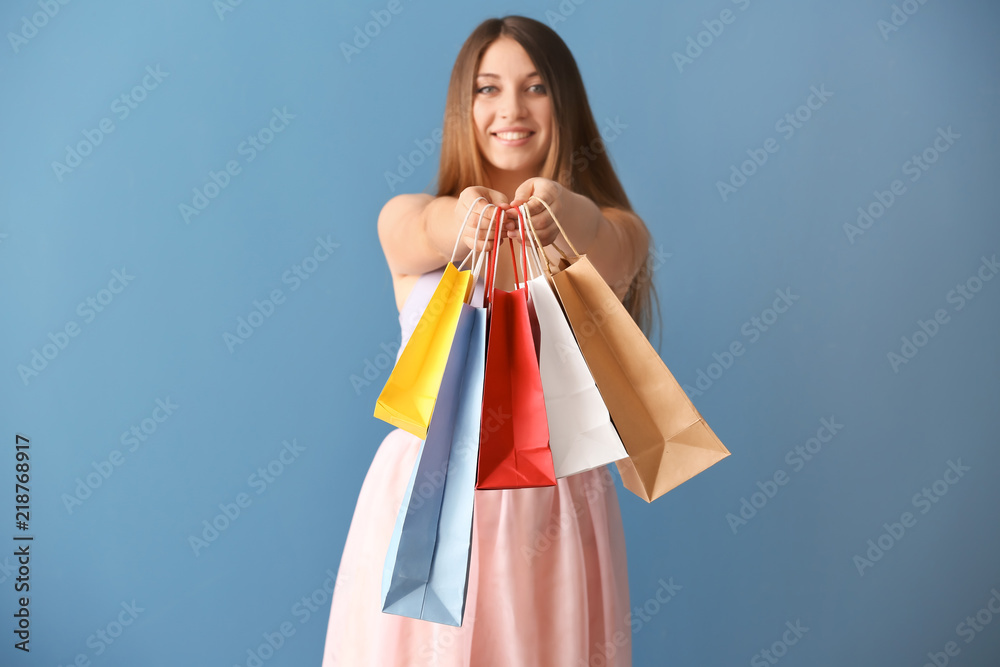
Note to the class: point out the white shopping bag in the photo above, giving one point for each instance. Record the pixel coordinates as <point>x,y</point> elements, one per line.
<point>581,435</point>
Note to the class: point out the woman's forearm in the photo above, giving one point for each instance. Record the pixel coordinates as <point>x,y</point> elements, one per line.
<point>582,219</point>
<point>440,228</point>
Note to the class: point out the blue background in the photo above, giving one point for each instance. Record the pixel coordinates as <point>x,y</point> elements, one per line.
<point>361,115</point>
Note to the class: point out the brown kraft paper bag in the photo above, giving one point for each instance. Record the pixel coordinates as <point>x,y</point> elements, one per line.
<point>667,439</point>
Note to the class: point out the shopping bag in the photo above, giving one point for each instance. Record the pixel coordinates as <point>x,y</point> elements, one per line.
<point>427,565</point>
<point>408,397</point>
<point>667,440</point>
<point>514,442</point>
<point>581,435</point>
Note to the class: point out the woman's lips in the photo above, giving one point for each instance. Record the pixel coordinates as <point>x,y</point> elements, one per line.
<point>510,141</point>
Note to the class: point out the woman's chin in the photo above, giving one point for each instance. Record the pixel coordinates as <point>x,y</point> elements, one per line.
<point>512,162</point>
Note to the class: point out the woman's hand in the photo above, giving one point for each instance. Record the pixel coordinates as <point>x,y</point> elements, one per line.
<point>553,194</point>
<point>491,201</point>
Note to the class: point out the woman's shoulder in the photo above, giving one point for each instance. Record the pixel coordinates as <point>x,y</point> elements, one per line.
<point>399,237</point>
<point>395,230</point>
<point>403,205</point>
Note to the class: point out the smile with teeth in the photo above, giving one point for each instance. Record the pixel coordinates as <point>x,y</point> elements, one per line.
<point>512,136</point>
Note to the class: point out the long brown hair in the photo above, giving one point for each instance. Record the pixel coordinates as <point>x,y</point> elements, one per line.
<point>462,164</point>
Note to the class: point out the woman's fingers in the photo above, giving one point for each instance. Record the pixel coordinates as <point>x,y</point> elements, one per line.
<point>481,230</point>
<point>493,205</point>
<point>541,222</point>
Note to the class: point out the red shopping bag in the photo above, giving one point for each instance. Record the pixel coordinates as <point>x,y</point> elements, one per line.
<point>514,434</point>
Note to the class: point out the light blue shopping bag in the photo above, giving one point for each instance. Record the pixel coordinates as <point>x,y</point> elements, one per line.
<point>426,571</point>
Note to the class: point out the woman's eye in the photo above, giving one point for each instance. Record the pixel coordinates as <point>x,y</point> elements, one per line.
<point>540,88</point>
<point>485,88</point>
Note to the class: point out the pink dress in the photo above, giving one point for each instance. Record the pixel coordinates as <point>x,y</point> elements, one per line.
<point>548,578</point>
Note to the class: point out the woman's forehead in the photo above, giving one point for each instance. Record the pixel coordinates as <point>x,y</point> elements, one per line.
<point>505,57</point>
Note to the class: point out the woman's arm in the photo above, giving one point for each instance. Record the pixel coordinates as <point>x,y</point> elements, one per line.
<point>418,231</point>
<point>410,231</point>
<point>615,241</point>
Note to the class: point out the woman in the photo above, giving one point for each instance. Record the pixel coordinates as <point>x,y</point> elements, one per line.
<point>548,582</point>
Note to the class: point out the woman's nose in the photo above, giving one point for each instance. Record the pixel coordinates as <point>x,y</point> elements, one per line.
<point>511,105</point>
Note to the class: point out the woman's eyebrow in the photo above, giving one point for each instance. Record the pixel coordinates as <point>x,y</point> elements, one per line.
<point>496,76</point>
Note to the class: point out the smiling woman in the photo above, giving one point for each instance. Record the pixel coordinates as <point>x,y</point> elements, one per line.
<point>547,579</point>
<point>512,110</point>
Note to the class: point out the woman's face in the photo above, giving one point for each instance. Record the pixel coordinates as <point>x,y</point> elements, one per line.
<point>511,109</point>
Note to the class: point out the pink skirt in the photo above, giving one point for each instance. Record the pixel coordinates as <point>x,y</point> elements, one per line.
<point>548,580</point>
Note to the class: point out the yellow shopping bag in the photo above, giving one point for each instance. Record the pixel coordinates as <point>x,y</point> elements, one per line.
<point>408,398</point>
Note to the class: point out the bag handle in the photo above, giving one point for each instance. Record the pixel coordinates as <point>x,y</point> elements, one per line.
<point>536,244</point>
<point>561,230</point>
<point>491,274</point>
<point>459,237</point>
<point>475,266</point>
<point>524,256</point>
<point>491,271</point>
<point>513,262</point>
<point>479,264</point>
<point>472,252</point>
<point>526,269</point>
<point>526,242</point>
